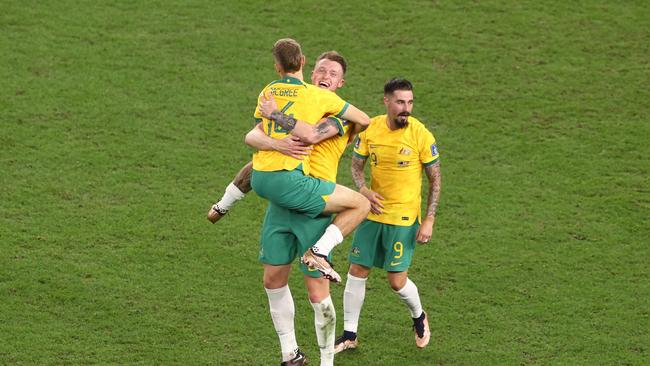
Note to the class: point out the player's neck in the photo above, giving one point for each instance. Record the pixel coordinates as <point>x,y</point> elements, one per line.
<point>391,124</point>
<point>297,75</point>
<point>394,126</point>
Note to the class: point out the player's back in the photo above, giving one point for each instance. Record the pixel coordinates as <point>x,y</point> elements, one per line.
<point>306,103</point>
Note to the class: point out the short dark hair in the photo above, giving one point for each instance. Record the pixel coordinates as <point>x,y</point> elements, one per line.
<point>336,57</point>
<point>288,54</point>
<point>397,84</point>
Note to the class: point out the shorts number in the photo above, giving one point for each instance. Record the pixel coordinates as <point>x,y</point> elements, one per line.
<point>399,248</point>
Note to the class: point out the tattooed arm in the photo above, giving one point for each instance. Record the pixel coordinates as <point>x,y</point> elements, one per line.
<point>426,229</point>
<point>310,134</point>
<point>324,129</point>
<point>359,178</point>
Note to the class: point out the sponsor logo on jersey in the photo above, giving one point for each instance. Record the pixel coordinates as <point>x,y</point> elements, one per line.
<point>356,251</point>
<point>393,264</point>
<point>357,143</point>
<point>434,150</point>
<point>405,218</point>
<point>403,163</point>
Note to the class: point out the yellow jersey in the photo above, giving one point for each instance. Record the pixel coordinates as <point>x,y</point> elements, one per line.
<point>307,103</point>
<point>396,161</point>
<point>324,159</point>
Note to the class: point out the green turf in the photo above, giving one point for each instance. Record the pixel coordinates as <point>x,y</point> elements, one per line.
<point>122,122</point>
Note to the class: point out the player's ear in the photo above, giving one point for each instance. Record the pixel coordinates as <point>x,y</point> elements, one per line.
<point>302,61</point>
<point>341,83</point>
<point>278,68</point>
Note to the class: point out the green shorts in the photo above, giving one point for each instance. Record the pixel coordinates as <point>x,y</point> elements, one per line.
<point>293,190</point>
<point>386,246</point>
<point>287,234</point>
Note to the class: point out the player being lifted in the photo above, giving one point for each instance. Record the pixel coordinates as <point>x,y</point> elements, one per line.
<point>399,147</point>
<point>284,179</point>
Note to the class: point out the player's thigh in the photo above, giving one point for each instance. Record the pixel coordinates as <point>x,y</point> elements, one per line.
<point>344,198</point>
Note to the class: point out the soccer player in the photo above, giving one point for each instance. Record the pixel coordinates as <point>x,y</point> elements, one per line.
<point>399,147</point>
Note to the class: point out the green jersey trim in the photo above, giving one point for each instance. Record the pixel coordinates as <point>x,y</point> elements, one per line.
<point>345,108</point>
<point>289,80</point>
<point>339,125</point>
<point>431,162</point>
<point>359,155</point>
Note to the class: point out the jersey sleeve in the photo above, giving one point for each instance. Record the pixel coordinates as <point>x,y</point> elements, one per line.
<point>428,149</point>
<point>333,104</point>
<point>361,146</point>
<point>342,125</point>
<point>257,115</point>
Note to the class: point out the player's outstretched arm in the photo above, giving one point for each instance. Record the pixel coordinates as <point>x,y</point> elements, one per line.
<point>356,116</point>
<point>291,145</point>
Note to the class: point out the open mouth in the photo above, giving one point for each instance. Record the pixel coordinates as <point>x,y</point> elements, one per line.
<point>324,84</point>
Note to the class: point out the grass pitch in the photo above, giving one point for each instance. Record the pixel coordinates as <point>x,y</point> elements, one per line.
<point>122,122</point>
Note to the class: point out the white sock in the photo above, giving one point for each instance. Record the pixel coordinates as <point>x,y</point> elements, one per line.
<point>409,295</point>
<point>355,293</point>
<point>230,196</point>
<point>282,313</point>
<point>325,322</point>
<point>331,238</point>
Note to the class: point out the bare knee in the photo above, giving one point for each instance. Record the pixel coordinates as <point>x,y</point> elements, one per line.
<point>276,276</point>
<point>359,271</point>
<point>318,289</point>
<point>397,280</point>
<point>363,204</point>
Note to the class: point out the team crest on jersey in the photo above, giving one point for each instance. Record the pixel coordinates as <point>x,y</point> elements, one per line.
<point>434,150</point>
<point>403,163</point>
<point>356,251</point>
<point>404,151</point>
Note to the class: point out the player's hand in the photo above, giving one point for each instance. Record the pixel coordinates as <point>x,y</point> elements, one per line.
<point>292,146</point>
<point>375,200</point>
<point>424,232</point>
<point>267,105</point>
